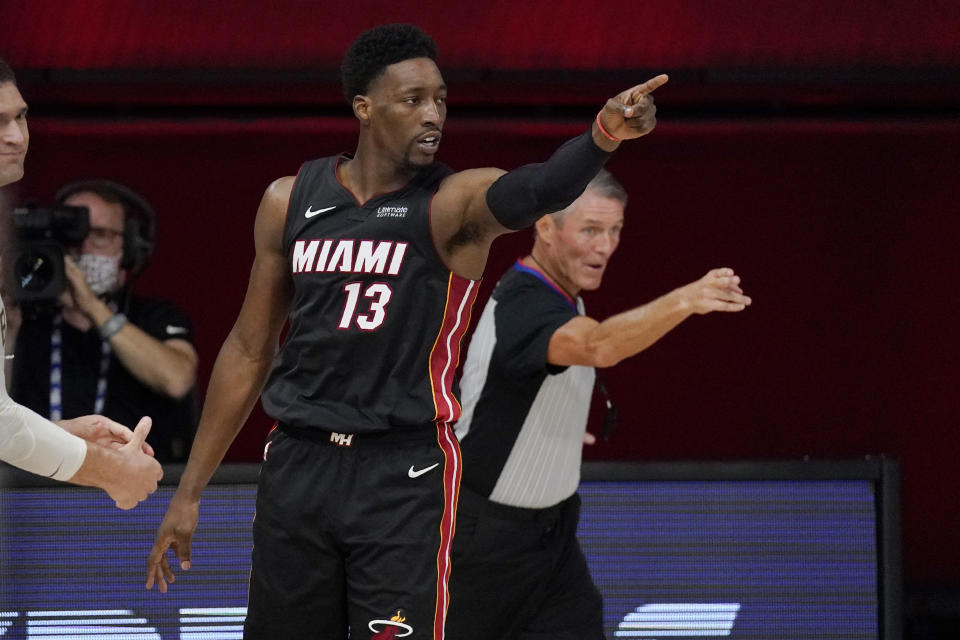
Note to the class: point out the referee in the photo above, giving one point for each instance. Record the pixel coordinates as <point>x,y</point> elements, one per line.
<point>518,570</point>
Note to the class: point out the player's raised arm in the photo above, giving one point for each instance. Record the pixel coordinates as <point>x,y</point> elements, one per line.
<point>475,206</point>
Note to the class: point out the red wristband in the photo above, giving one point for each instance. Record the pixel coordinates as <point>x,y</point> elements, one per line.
<point>604,131</point>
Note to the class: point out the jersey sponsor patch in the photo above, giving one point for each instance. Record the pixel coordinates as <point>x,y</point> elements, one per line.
<point>392,212</point>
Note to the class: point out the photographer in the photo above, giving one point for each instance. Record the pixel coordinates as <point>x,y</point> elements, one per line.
<point>103,349</point>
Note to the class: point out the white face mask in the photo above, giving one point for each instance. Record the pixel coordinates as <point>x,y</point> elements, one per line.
<point>102,272</point>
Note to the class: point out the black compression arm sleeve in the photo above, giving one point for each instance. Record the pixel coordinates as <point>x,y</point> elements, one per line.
<point>519,198</point>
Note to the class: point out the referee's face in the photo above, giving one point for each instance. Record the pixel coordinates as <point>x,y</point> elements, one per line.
<point>581,245</point>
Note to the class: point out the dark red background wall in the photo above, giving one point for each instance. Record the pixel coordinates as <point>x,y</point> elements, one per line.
<point>816,153</point>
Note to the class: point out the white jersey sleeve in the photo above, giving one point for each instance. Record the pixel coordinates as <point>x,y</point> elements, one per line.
<point>31,442</point>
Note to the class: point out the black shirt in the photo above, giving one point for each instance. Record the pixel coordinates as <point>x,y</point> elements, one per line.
<point>127,399</point>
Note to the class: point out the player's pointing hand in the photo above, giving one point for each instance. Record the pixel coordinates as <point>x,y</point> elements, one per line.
<point>631,113</point>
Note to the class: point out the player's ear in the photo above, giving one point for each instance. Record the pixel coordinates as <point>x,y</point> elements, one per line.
<point>361,109</point>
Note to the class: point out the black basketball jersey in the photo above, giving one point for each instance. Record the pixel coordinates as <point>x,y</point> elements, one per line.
<point>376,318</point>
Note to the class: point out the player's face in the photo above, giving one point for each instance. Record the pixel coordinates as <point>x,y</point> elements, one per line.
<point>582,244</point>
<point>408,109</point>
<point>14,136</point>
<point>106,224</point>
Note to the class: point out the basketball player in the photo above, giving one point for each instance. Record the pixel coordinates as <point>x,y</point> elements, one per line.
<point>374,258</point>
<point>103,453</point>
<point>526,386</point>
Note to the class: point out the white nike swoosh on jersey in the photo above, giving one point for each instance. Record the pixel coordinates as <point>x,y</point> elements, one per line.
<point>176,330</point>
<point>310,212</point>
<point>420,472</point>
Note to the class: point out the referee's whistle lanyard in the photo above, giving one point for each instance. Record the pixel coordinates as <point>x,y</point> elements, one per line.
<point>56,371</point>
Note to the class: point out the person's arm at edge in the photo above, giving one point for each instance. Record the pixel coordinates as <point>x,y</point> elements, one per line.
<point>238,376</point>
<point>585,341</point>
<point>31,442</point>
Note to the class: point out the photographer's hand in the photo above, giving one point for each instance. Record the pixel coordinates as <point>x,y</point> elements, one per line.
<point>80,299</point>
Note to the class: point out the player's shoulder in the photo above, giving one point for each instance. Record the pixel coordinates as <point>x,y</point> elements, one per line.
<point>276,198</point>
<point>281,188</point>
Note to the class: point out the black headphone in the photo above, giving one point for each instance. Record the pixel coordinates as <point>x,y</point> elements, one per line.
<point>139,220</point>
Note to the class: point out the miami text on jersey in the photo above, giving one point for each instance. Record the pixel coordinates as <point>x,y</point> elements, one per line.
<point>348,256</point>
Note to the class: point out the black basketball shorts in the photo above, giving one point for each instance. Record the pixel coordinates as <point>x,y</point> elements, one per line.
<point>352,534</point>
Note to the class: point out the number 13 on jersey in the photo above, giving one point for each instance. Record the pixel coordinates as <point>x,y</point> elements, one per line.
<point>379,294</point>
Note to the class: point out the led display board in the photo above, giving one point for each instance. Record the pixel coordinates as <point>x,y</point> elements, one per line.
<point>758,551</point>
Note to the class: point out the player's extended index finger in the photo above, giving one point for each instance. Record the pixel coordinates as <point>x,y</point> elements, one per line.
<point>650,85</point>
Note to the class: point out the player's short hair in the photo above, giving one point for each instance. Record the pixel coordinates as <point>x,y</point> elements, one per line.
<point>6,73</point>
<point>603,184</point>
<point>375,49</point>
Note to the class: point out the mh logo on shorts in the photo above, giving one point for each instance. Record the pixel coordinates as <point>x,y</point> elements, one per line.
<point>341,439</point>
<point>392,628</point>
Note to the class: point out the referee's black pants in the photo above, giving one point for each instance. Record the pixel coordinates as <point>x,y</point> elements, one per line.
<point>520,574</point>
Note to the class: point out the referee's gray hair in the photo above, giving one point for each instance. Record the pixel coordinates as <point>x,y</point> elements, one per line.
<point>603,184</point>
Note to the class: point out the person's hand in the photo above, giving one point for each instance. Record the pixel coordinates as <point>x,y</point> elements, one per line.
<point>589,439</point>
<point>719,290</point>
<point>101,430</point>
<point>138,473</point>
<point>175,532</point>
<point>78,294</point>
<point>632,114</point>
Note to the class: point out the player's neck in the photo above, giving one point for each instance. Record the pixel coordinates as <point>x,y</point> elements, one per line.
<point>370,173</point>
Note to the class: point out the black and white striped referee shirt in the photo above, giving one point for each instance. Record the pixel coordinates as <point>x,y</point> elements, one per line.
<point>523,419</point>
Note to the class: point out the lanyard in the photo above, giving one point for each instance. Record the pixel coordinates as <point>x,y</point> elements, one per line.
<point>56,371</point>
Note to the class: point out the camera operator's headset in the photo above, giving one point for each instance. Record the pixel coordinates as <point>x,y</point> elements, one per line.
<point>139,221</point>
